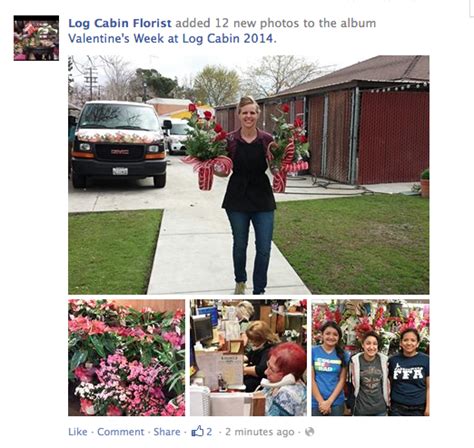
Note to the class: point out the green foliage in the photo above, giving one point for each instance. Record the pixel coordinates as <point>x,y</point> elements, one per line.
<point>284,132</point>
<point>112,252</point>
<point>203,141</point>
<point>425,175</point>
<point>157,85</point>
<point>361,245</point>
<point>138,334</point>
<point>216,85</point>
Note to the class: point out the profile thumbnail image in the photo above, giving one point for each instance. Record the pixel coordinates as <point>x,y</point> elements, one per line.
<point>35,38</point>
<point>370,358</point>
<point>126,357</point>
<point>248,357</point>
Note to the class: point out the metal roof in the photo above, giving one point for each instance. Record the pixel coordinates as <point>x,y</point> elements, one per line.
<point>380,69</point>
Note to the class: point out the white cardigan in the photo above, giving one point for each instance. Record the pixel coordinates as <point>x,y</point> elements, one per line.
<point>355,374</point>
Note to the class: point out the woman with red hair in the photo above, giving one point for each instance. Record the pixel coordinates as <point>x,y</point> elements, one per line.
<point>284,388</point>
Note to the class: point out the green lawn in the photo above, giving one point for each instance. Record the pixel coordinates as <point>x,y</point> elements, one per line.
<point>362,245</point>
<point>112,252</point>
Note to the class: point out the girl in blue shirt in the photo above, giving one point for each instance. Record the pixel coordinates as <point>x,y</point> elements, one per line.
<point>329,365</point>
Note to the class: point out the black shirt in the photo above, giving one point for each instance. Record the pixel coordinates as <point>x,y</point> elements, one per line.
<point>249,188</point>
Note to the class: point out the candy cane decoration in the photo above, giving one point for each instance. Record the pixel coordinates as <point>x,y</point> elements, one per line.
<point>205,169</point>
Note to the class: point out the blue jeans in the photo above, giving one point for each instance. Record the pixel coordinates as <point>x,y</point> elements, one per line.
<point>397,409</point>
<point>263,225</point>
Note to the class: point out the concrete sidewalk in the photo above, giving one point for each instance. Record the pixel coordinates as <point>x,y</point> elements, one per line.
<point>194,256</point>
<point>194,252</point>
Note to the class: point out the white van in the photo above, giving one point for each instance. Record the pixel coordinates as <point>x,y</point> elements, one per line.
<point>175,140</point>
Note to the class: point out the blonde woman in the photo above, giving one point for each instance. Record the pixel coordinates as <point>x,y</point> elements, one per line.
<point>260,340</point>
<point>249,196</point>
<point>244,312</point>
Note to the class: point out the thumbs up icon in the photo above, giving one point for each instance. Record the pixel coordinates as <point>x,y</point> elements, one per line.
<point>198,432</point>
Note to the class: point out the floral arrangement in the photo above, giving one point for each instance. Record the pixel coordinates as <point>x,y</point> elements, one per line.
<point>291,335</point>
<point>126,362</point>
<point>35,35</point>
<point>288,149</point>
<point>356,320</point>
<point>118,137</point>
<point>206,147</point>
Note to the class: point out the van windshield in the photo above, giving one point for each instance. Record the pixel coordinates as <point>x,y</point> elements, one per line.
<point>179,129</point>
<point>119,116</point>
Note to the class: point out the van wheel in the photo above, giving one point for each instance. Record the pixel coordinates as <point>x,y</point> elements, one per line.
<point>159,181</point>
<point>78,181</point>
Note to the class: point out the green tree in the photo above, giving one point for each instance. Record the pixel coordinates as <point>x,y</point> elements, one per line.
<point>216,85</point>
<point>157,85</point>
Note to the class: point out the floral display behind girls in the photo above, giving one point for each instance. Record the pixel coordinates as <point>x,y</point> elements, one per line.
<point>369,377</point>
<point>329,373</point>
<point>409,374</point>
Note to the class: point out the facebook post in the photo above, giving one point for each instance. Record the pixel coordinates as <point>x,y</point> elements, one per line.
<point>276,151</point>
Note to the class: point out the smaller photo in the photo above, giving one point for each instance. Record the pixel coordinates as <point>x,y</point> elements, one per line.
<point>248,358</point>
<point>370,358</point>
<point>126,357</point>
<point>35,38</point>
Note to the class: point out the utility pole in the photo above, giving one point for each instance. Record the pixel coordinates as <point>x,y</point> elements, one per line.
<point>91,78</point>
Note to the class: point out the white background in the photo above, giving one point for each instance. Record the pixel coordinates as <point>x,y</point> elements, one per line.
<point>34,213</point>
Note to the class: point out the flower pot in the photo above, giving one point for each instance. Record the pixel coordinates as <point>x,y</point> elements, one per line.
<point>425,188</point>
<point>205,177</point>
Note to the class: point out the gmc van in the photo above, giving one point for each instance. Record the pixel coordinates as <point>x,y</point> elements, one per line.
<point>118,139</point>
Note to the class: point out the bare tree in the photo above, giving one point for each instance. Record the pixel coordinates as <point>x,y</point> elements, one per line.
<point>277,73</point>
<point>118,78</point>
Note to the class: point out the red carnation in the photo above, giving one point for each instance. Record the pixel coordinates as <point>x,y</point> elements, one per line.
<point>285,108</point>
<point>207,115</point>
<point>192,107</point>
<point>218,128</point>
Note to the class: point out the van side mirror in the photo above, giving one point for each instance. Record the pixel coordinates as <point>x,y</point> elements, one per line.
<point>167,124</point>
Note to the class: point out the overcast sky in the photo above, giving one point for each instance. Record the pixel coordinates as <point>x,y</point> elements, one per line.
<point>186,66</point>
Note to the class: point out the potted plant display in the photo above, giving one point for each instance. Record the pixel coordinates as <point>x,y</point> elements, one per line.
<point>425,183</point>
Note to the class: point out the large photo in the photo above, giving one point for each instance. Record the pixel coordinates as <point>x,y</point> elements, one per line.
<point>285,176</point>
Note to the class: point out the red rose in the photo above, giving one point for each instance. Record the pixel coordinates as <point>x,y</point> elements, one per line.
<point>221,136</point>
<point>192,107</point>
<point>207,115</point>
<point>285,108</point>
<point>218,128</point>
<point>303,139</point>
<point>298,123</point>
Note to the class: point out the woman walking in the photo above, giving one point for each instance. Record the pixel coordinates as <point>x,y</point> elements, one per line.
<point>249,196</point>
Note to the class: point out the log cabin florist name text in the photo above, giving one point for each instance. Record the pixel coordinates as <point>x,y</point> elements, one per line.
<point>119,23</point>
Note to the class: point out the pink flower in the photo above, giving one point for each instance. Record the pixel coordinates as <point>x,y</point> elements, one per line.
<point>175,339</point>
<point>87,407</point>
<point>178,315</point>
<point>84,374</point>
<point>113,411</point>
